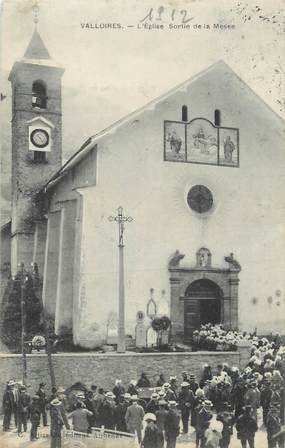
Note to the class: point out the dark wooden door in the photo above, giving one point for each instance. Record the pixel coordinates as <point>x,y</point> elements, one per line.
<point>191,318</point>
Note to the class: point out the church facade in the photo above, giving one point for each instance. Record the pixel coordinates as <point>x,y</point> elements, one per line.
<point>201,172</point>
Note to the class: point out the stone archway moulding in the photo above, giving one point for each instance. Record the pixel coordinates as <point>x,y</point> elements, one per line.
<point>182,276</point>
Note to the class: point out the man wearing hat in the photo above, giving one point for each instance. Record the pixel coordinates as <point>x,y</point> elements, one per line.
<point>23,409</point>
<point>193,385</point>
<point>35,416</point>
<point>252,397</point>
<point>169,393</point>
<point>152,405</point>
<point>80,418</point>
<point>227,419</point>
<point>265,397</point>
<point>172,421</point>
<point>246,427</point>
<point>151,436</point>
<point>204,416</point>
<point>120,412</point>
<point>8,405</point>
<point>107,411</point>
<point>134,418</point>
<point>185,402</point>
<point>118,390</point>
<point>160,419</point>
<point>273,426</point>
<point>57,420</point>
<point>43,402</point>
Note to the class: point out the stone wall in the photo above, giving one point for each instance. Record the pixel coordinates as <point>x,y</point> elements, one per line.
<point>103,369</point>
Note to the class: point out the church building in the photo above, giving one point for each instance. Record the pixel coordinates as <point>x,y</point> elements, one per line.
<point>200,170</point>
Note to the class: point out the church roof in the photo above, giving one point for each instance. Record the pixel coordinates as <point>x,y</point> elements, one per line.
<point>36,48</point>
<point>219,67</point>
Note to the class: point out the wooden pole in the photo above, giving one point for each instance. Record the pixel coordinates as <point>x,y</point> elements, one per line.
<point>23,322</point>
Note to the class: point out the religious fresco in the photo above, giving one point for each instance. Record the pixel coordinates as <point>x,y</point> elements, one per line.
<point>228,148</point>
<point>174,141</point>
<point>200,141</point>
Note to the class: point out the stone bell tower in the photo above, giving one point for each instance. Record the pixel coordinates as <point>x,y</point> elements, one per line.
<point>36,140</point>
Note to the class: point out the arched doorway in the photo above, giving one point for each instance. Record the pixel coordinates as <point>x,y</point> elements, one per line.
<point>202,304</point>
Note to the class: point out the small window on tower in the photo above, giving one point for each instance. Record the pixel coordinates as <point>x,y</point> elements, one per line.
<point>40,156</point>
<point>39,95</point>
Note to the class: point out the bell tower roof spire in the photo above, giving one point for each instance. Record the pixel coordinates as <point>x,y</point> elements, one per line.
<point>36,48</point>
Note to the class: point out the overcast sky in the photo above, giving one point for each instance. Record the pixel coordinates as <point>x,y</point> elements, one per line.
<point>110,73</point>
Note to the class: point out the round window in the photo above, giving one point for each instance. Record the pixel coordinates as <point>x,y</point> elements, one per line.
<point>200,199</point>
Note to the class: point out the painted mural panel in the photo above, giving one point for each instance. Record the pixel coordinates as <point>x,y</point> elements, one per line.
<point>174,141</point>
<point>202,142</point>
<point>228,148</point>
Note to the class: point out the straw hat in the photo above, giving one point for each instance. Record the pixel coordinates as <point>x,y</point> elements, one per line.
<point>55,402</point>
<point>134,398</point>
<point>172,403</point>
<point>185,384</point>
<point>150,416</point>
<point>154,396</point>
<point>109,395</point>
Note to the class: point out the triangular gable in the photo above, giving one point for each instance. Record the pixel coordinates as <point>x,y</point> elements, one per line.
<point>36,48</point>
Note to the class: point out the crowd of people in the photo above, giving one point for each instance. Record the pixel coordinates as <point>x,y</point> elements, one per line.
<point>221,399</point>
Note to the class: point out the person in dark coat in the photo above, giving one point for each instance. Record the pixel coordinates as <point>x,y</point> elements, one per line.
<point>90,406</point>
<point>151,436</point>
<point>118,390</point>
<point>273,426</point>
<point>185,402</point>
<point>204,416</point>
<point>193,385</point>
<point>58,419</point>
<point>120,413</point>
<point>107,411</point>
<point>23,410</point>
<point>160,420</point>
<point>53,394</point>
<point>143,381</point>
<point>172,421</point>
<point>169,393</point>
<point>227,419</point>
<point>197,405</point>
<point>160,382</point>
<point>8,405</point>
<point>206,375</point>
<point>246,427</point>
<point>43,402</point>
<point>133,389</point>
<point>185,377</point>
<point>35,416</point>
<point>265,397</point>
<point>152,405</point>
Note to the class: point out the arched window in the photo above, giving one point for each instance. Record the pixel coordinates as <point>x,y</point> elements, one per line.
<point>184,113</point>
<point>39,95</point>
<point>217,117</point>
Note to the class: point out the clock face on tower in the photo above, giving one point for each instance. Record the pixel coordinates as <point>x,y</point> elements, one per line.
<point>40,138</point>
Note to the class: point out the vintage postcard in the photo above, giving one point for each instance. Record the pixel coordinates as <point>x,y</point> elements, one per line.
<point>142,223</point>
